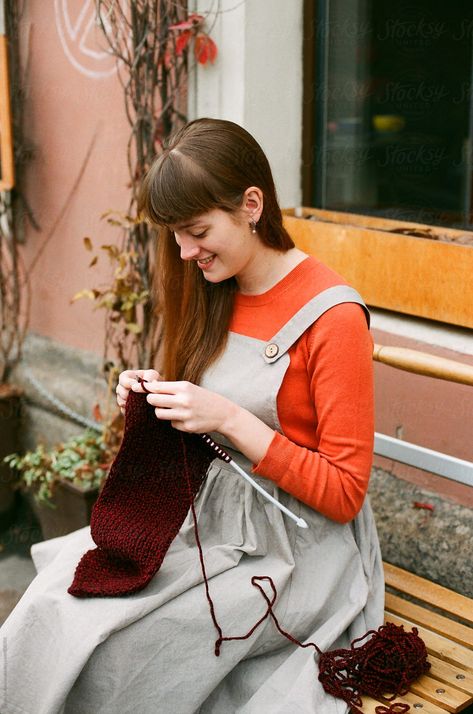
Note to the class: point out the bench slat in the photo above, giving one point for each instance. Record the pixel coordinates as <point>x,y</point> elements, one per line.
<point>445,672</point>
<point>424,590</point>
<point>369,704</point>
<point>451,699</point>
<point>449,643</point>
<point>432,620</point>
<point>437,645</point>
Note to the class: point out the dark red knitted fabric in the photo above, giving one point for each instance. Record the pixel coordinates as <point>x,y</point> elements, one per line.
<point>142,505</point>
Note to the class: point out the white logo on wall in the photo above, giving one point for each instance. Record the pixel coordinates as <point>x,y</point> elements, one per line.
<point>82,39</point>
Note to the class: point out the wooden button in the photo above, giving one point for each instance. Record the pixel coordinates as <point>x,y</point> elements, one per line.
<point>271,350</point>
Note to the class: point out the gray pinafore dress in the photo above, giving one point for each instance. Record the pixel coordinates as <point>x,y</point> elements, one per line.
<point>153,652</point>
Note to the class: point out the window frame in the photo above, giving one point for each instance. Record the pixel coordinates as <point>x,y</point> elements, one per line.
<point>7,167</point>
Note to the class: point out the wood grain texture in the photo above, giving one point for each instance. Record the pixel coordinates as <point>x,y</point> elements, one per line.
<point>443,695</point>
<point>437,595</point>
<point>407,274</point>
<point>369,704</point>
<point>424,363</point>
<point>7,175</point>
<point>448,673</point>
<point>433,621</point>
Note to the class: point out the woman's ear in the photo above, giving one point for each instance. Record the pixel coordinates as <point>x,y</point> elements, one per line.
<point>252,203</point>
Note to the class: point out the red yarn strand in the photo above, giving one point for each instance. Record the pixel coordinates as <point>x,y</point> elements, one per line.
<point>388,662</point>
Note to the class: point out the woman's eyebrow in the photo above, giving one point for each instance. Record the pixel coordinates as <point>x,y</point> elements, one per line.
<point>180,226</point>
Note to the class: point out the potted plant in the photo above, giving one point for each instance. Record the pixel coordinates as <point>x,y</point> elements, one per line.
<point>62,483</point>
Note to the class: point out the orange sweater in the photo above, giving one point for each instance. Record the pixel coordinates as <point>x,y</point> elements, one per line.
<point>325,403</point>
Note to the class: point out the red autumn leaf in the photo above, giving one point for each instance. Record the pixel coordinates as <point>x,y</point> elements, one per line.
<point>182,42</point>
<point>205,49</point>
<point>425,506</point>
<point>97,413</point>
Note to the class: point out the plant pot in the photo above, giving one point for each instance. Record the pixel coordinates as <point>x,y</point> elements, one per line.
<point>10,406</point>
<point>396,265</point>
<point>73,507</point>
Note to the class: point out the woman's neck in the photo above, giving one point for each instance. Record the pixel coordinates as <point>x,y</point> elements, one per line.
<point>267,269</point>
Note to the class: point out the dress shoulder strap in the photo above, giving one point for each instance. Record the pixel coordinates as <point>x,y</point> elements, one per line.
<point>310,312</point>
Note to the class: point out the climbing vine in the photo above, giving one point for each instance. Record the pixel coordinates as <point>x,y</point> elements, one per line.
<point>152,41</point>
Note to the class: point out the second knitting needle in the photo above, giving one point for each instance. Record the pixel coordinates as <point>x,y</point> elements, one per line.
<point>222,454</point>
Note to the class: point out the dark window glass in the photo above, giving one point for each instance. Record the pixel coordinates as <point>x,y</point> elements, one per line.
<point>393,119</point>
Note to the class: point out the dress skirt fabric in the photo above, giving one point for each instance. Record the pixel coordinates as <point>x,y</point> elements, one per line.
<point>153,652</point>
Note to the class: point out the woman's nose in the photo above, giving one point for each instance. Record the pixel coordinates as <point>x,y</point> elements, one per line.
<point>188,248</point>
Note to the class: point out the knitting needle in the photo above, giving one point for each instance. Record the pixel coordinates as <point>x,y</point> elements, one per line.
<point>222,454</point>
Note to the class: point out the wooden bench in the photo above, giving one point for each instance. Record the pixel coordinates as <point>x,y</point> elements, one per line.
<point>448,687</point>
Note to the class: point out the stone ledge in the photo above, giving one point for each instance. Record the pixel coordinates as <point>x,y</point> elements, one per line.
<point>433,544</point>
<point>70,375</point>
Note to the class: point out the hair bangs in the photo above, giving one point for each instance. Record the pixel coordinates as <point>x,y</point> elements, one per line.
<point>177,189</point>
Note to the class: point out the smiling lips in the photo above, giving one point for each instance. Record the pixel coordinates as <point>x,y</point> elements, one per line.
<point>204,262</point>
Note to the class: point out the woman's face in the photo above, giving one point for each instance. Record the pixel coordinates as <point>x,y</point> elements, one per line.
<point>221,244</point>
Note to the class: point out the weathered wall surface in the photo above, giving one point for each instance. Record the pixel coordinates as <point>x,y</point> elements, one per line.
<point>74,108</point>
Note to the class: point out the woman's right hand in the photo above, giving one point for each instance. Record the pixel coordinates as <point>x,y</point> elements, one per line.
<point>130,377</point>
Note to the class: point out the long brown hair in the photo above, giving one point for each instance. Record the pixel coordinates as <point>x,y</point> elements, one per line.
<point>208,164</point>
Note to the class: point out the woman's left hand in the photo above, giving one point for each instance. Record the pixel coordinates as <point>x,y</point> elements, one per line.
<point>189,407</point>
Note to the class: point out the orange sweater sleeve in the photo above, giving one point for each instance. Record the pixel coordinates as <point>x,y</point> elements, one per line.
<point>332,479</point>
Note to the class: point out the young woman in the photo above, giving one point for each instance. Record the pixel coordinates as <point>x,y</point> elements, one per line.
<point>268,350</point>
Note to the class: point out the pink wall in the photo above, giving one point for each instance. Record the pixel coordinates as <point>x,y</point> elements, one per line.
<point>74,99</point>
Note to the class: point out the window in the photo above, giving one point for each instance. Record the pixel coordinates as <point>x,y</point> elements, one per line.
<point>388,109</point>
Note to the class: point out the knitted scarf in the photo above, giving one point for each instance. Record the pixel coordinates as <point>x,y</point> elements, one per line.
<point>142,505</point>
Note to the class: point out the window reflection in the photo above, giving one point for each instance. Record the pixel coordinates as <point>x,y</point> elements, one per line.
<point>393,109</point>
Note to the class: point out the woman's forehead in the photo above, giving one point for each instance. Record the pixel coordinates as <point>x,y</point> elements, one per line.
<point>194,221</point>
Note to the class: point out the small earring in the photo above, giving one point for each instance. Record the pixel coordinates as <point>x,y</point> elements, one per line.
<point>253,226</point>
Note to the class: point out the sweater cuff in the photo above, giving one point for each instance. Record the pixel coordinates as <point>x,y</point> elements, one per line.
<point>277,459</point>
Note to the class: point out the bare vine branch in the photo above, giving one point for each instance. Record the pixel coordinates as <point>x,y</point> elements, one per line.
<point>152,76</point>
<point>152,59</point>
